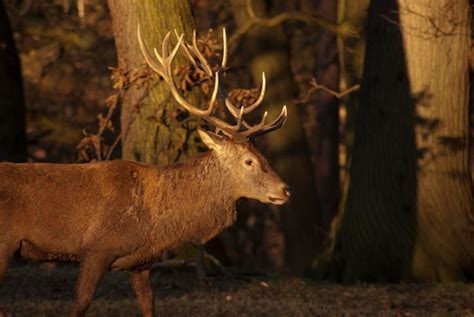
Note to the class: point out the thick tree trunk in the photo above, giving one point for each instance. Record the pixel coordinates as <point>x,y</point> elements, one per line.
<point>146,119</point>
<point>268,51</point>
<point>409,213</point>
<point>12,107</point>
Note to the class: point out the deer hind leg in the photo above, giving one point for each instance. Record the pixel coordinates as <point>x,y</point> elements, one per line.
<point>91,272</point>
<point>6,255</point>
<point>140,281</point>
<point>7,250</point>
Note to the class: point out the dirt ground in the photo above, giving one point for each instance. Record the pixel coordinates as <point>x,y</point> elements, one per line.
<point>34,290</point>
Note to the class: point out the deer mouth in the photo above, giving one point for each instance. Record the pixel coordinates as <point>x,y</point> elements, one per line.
<point>277,200</point>
<point>281,199</point>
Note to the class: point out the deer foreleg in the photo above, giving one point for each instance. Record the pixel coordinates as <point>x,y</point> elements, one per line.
<point>140,281</point>
<point>91,272</point>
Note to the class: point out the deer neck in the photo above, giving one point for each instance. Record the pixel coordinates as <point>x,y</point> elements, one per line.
<point>198,203</point>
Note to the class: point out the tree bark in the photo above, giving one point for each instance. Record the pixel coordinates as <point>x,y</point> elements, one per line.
<point>409,213</point>
<point>268,50</point>
<point>321,121</point>
<point>326,143</point>
<point>12,107</point>
<point>351,59</point>
<point>146,117</point>
<point>352,49</point>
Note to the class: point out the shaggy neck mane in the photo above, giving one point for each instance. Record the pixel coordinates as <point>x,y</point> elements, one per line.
<point>198,201</point>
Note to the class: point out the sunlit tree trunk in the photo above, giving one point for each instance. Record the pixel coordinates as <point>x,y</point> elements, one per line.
<point>12,107</point>
<point>409,213</point>
<point>268,51</point>
<point>353,12</point>
<point>147,116</point>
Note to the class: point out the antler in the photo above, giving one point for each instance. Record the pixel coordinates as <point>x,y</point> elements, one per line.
<point>242,130</point>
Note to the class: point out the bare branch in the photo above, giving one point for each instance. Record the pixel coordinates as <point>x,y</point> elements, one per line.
<point>315,87</point>
<point>113,146</point>
<point>342,29</point>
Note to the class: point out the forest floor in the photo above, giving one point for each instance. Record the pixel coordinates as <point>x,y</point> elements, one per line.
<point>33,290</point>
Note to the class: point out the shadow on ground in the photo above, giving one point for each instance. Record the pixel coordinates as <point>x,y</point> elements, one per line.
<point>34,290</point>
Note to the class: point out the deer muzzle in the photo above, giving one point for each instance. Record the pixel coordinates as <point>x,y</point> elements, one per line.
<point>282,196</point>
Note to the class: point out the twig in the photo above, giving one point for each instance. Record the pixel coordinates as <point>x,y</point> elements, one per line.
<point>110,112</point>
<point>215,261</point>
<point>124,132</point>
<point>102,128</point>
<point>113,146</point>
<point>316,87</point>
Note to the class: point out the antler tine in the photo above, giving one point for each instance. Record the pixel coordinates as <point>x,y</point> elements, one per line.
<point>194,48</point>
<point>234,110</point>
<point>215,91</point>
<point>186,50</point>
<point>260,97</point>
<point>276,124</point>
<point>258,126</point>
<point>239,120</point>
<point>231,131</point>
<point>224,49</point>
<point>176,48</point>
<point>167,59</point>
<point>165,46</point>
<point>157,67</point>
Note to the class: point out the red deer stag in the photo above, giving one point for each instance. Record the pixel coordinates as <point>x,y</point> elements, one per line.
<point>122,215</point>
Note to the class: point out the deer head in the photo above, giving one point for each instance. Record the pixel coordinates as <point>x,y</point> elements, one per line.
<point>248,170</point>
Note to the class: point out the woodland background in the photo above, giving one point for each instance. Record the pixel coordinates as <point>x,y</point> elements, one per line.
<point>377,149</point>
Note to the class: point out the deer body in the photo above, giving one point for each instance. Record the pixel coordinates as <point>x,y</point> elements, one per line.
<point>122,215</point>
<point>133,211</point>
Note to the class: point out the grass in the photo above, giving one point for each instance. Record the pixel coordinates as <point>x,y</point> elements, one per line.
<point>34,290</point>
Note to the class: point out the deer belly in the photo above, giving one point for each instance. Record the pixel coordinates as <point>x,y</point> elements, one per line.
<point>30,251</point>
<point>134,261</point>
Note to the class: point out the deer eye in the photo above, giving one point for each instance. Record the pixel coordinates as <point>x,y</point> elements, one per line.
<point>249,162</point>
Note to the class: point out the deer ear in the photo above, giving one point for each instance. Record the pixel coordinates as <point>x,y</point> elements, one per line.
<point>211,140</point>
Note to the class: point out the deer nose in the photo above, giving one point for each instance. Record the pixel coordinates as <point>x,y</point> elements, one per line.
<point>286,191</point>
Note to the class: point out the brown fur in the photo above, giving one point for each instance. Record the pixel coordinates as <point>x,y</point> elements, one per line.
<point>122,215</point>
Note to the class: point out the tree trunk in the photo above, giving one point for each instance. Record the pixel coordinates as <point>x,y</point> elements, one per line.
<point>268,50</point>
<point>326,143</point>
<point>322,110</point>
<point>353,12</point>
<point>351,59</point>
<point>12,107</point>
<point>409,212</point>
<point>147,117</point>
